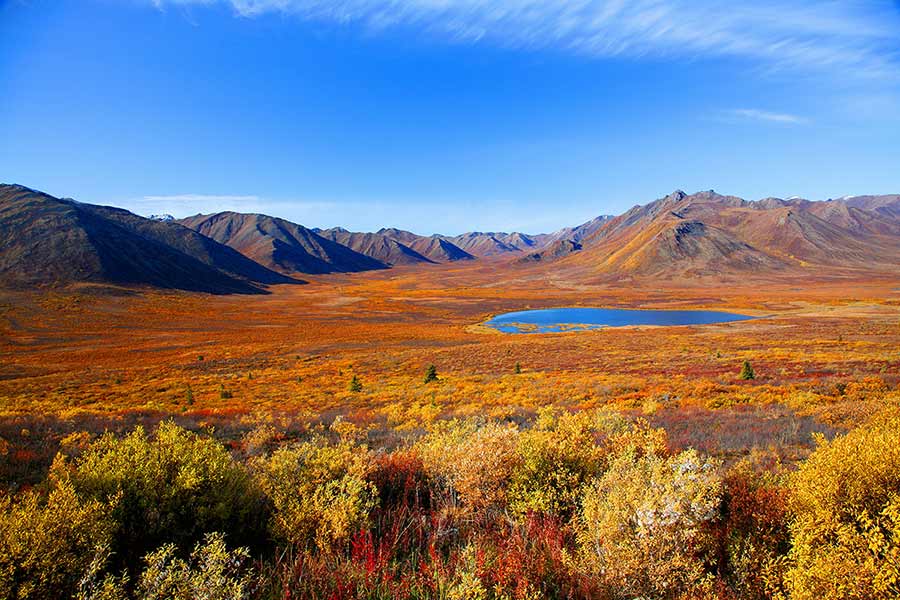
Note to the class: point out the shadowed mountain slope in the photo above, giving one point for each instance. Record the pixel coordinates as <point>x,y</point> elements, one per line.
<point>888,205</point>
<point>281,245</point>
<point>375,245</point>
<point>484,245</point>
<point>552,251</point>
<point>436,248</point>
<point>51,241</point>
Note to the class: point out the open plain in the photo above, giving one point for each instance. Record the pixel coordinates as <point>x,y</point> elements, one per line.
<point>93,357</point>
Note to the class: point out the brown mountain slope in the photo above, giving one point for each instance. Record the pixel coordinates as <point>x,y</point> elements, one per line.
<point>482,244</point>
<point>552,251</point>
<point>434,247</point>
<point>708,234</point>
<point>577,233</point>
<point>375,245</point>
<point>281,245</point>
<point>50,241</point>
<point>888,205</point>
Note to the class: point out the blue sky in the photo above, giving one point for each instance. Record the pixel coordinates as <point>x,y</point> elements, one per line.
<point>446,115</point>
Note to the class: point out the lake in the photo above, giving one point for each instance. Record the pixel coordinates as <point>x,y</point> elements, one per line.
<point>550,320</point>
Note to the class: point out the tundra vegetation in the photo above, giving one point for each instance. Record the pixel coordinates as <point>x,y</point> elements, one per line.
<point>586,504</point>
<point>386,447</point>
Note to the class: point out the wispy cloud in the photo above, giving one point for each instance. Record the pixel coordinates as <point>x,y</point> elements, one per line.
<point>853,38</point>
<point>183,205</point>
<point>753,114</point>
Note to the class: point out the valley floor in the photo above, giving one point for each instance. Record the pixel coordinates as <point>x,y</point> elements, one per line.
<point>825,354</point>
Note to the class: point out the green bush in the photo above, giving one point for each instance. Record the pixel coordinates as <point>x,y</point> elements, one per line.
<point>46,544</point>
<point>319,491</point>
<point>213,573</point>
<point>564,451</point>
<point>172,487</point>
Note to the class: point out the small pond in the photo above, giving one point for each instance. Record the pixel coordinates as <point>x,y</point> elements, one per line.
<point>550,320</point>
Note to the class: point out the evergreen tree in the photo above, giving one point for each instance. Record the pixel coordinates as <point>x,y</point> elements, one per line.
<point>747,371</point>
<point>518,368</point>
<point>355,384</point>
<point>431,374</point>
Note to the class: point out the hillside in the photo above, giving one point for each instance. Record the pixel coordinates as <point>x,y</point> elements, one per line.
<point>281,245</point>
<point>434,247</point>
<point>375,245</point>
<point>485,245</point>
<point>552,251</point>
<point>51,241</point>
<point>575,234</point>
<point>47,240</point>
<point>707,234</point>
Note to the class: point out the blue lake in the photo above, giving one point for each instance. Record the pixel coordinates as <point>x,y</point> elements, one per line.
<point>551,320</point>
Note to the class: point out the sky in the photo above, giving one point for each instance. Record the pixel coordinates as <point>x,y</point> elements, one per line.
<point>444,116</point>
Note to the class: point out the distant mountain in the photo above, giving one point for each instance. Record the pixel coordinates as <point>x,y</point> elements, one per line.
<point>51,241</point>
<point>884,205</point>
<point>709,234</point>
<point>436,248</point>
<point>482,244</point>
<point>163,217</point>
<point>46,240</point>
<point>487,244</point>
<point>281,245</point>
<point>577,233</point>
<point>375,245</point>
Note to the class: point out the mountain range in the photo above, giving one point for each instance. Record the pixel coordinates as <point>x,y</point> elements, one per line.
<point>47,241</point>
<point>52,241</point>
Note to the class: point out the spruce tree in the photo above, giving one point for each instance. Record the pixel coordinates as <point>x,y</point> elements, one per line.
<point>355,384</point>
<point>747,371</point>
<point>431,374</point>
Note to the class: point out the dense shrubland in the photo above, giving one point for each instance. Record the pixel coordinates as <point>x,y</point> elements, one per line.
<point>586,504</point>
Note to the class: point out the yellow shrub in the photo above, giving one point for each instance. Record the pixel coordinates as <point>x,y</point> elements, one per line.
<point>45,546</point>
<point>172,487</point>
<point>213,572</point>
<point>319,491</point>
<point>641,526</point>
<point>563,452</point>
<point>846,528</point>
<point>475,460</point>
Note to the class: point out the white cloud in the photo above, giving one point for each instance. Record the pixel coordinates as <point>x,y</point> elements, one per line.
<point>850,38</point>
<point>183,205</point>
<point>753,114</point>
